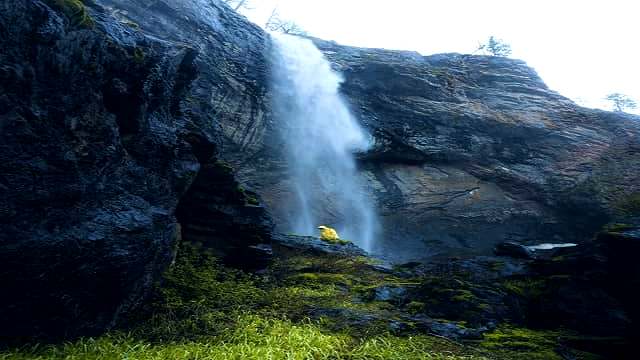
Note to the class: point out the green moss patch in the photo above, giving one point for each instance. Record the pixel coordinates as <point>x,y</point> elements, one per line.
<point>527,287</point>
<point>203,310</point>
<point>75,11</point>
<point>630,204</point>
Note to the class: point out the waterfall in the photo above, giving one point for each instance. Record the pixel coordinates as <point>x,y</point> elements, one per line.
<point>320,137</point>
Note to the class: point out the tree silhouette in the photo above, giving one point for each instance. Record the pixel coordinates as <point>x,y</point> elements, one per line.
<point>276,23</point>
<point>237,4</point>
<point>621,102</point>
<point>495,47</point>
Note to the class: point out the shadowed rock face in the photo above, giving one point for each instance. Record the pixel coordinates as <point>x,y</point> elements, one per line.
<point>105,124</point>
<point>108,127</point>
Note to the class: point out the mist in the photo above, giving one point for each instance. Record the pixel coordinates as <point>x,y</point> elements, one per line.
<point>320,136</point>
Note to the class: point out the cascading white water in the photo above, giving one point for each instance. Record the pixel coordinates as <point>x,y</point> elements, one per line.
<point>321,137</point>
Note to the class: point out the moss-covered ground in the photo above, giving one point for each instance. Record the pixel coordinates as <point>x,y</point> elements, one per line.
<point>304,306</point>
<point>74,10</point>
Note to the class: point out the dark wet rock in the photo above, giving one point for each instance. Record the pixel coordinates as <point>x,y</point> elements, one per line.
<point>622,278</point>
<point>266,249</point>
<point>575,289</point>
<point>395,294</point>
<point>513,250</point>
<point>228,220</point>
<point>107,117</point>
<point>397,327</point>
<point>383,266</point>
<point>400,323</point>
<point>312,243</point>
<point>590,288</point>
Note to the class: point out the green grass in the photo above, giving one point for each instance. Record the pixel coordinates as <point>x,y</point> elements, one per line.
<point>617,227</point>
<point>253,338</point>
<point>628,204</point>
<point>528,288</point>
<point>204,310</point>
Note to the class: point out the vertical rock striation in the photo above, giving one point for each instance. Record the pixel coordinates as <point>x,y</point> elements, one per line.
<point>108,112</point>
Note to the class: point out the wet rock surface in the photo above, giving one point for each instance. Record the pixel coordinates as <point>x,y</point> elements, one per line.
<point>316,244</point>
<point>107,116</point>
<point>464,298</point>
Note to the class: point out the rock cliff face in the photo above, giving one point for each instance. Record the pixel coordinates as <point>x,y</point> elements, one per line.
<point>109,112</point>
<point>471,151</point>
<point>117,119</point>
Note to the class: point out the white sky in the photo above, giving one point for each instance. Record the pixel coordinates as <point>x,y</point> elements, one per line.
<point>582,49</point>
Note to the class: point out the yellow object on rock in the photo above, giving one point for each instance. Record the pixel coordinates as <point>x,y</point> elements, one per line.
<point>328,234</point>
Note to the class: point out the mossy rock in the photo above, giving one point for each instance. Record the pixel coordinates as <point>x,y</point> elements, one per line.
<point>629,205</point>
<point>527,287</point>
<point>618,227</point>
<point>209,311</point>
<point>138,55</point>
<point>75,11</point>
<point>462,295</point>
<point>415,307</point>
<point>250,197</point>
<point>224,167</point>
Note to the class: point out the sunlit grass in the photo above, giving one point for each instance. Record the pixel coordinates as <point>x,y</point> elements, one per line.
<point>203,310</point>
<point>253,337</point>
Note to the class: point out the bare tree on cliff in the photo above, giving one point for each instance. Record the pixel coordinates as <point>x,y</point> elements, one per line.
<point>237,4</point>
<point>495,47</point>
<point>276,23</point>
<point>621,102</point>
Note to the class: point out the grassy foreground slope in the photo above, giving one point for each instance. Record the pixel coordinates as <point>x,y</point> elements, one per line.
<point>304,306</point>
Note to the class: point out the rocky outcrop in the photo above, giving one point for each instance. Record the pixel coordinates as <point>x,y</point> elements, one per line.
<point>108,112</point>
<point>473,149</point>
<point>313,244</point>
<point>218,213</point>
